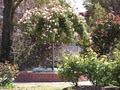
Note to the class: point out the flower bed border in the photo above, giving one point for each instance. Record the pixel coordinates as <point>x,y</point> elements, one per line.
<point>29,76</point>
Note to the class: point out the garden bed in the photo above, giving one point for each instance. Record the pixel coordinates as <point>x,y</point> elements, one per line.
<point>93,88</point>
<point>29,76</point>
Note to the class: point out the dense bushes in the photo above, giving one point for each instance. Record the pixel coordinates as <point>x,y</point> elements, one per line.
<point>100,71</point>
<point>28,55</point>
<point>69,69</point>
<point>106,34</point>
<point>116,67</point>
<point>7,74</point>
<point>97,69</point>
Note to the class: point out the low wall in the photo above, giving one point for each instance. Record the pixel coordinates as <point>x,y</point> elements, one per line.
<point>29,76</point>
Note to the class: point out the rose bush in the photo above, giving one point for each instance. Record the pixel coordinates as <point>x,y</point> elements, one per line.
<point>53,23</point>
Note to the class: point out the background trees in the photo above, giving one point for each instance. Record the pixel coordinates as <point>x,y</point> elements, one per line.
<point>10,7</point>
<point>8,15</point>
<point>104,26</point>
<point>109,5</point>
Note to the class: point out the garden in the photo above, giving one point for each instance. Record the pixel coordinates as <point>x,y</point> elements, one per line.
<point>47,41</point>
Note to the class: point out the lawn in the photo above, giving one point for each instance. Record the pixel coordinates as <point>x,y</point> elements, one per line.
<point>44,85</point>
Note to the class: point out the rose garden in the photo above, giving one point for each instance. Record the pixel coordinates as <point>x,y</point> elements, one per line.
<point>53,43</point>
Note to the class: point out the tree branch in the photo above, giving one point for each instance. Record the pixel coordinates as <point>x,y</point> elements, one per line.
<point>16,4</point>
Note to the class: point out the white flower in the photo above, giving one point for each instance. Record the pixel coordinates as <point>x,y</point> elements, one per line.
<point>27,11</point>
<point>24,22</point>
<point>46,9</point>
<point>60,13</point>
<point>53,9</point>
<point>48,18</point>
<point>44,35</point>
<point>43,14</point>
<point>72,17</point>
<point>55,30</point>
<point>53,20</point>
<point>50,21</point>
<point>73,29</point>
<point>36,8</point>
<point>19,21</point>
<point>28,18</point>
<point>49,26</point>
<point>55,23</point>
<point>56,11</point>
<point>44,17</point>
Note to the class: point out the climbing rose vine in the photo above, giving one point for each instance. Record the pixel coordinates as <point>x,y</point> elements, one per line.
<point>53,23</point>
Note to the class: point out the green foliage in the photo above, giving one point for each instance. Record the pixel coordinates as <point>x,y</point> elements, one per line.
<point>103,70</point>
<point>106,34</point>
<point>53,23</point>
<point>116,67</point>
<point>7,74</point>
<point>69,69</point>
<point>21,49</point>
<point>98,12</point>
<point>27,55</point>
<point>109,5</point>
<point>98,70</point>
<point>104,28</point>
<point>94,11</point>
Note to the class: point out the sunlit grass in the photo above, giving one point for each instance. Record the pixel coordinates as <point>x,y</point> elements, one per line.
<point>44,85</point>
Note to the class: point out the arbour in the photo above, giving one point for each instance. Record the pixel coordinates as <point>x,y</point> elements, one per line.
<point>54,23</point>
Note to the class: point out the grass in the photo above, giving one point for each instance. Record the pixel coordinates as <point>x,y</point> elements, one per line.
<point>40,86</point>
<point>43,86</point>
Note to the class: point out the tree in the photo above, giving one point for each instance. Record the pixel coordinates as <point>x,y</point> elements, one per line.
<point>8,14</point>
<point>98,12</point>
<point>106,34</point>
<point>108,5</point>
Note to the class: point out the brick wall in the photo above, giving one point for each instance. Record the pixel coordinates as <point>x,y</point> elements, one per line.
<point>29,76</point>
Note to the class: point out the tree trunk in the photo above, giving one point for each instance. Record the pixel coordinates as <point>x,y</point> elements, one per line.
<point>7,29</point>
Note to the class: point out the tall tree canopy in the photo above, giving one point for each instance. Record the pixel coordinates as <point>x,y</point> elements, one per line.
<point>108,5</point>
<point>8,15</point>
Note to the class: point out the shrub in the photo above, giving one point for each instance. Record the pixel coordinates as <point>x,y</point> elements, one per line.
<point>7,73</point>
<point>116,67</point>
<point>28,55</point>
<point>69,69</point>
<point>98,70</point>
<point>106,34</point>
